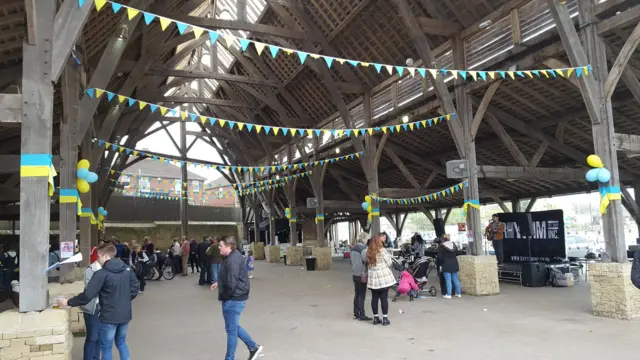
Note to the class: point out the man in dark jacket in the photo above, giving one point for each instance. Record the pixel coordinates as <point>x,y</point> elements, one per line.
<point>115,285</point>
<point>358,268</point>
<point>206,272</point>
<point>635,270</point>
<point>193,255</point>
<point>233,292</point>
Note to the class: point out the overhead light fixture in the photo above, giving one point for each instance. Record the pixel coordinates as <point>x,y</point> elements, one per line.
<point>337,150</point>
<point>409,62</point>
<point>277,177</point>
<point>405,119</point>
<point>124,33</point>
<point>485,24</point>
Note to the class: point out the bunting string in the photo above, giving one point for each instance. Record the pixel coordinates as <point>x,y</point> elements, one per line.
<point>274,51</point>
<point>273,168</point>
<point>425,198</point>
<point>96,93</point>
<point>164,195</point>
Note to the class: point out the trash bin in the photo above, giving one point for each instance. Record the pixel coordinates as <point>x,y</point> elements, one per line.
<point>311,263</point>
<point>284,257</point>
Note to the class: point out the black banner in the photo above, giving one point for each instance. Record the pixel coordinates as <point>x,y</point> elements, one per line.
<point>545,229</point>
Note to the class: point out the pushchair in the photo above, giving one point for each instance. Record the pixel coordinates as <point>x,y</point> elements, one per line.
<point>420,270</point>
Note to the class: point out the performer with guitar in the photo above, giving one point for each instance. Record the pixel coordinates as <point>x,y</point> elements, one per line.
<point>495,232</point>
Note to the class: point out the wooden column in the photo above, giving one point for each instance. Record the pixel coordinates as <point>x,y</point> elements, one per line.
<point>86,239</point>
<point>465,117</point>
<point>68,159</point>
<point>184,202</point>
<point>370,165</point>
<point>316,183</point>
<point>290,193</point>
<point>515,205</point>
<point>598,102</point>
<point>257,211</point>
<point>271,195</point>
<point>636,196</point>
<point>36,135</point>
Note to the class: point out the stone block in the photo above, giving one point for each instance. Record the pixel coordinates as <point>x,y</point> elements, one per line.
<point>295,256</point>
<point>258,250</point>
<point>9,320</point>
<point>272,253</point>
<point>324,260</point>
<point>479,275</point>
<point>4,343</point>
<point>34,337</point>
<point>612,293</point>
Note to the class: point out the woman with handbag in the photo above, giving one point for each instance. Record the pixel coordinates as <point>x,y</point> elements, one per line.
<point>359,274</point>
<point>379,278</point>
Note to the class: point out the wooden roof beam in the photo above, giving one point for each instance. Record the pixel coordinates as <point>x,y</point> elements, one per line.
<point>192,74</point>
<point>67,26</point>
<point>201,100</point>
<point>438,27</point>
<point>527,173</point>
<point>259,29</point>
<point>10,108</point>
<point>627,143</point>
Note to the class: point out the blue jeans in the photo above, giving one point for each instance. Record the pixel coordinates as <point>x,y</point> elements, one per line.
<point>448,277</point>
<point>215,268</point>
<point>91,344</point>
<point>231,311</point>
<point>109,333</point>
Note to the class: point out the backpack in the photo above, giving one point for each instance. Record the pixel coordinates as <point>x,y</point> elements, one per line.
<point>139,269</point>
<point>558,278</point>
<point>635,270</point>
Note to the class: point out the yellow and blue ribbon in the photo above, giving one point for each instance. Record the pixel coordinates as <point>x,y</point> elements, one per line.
<point>319,217</point>
<point>607,194</point>
<point>38,165</point>
<point>86,212</point>
<point>292,220</point>
<point>375,211</point>
<point>69,196</point>
<point>470,203</point>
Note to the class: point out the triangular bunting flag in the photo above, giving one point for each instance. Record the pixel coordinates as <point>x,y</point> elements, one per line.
<point>197,32</point>
<point>164,22</point>
<point>259,47</point>
<point>302,56</point>
<point>100,4</point>
<point>213,36</point>
<point>131,13</point>
<point>114,6</point>
<point>274,50</point>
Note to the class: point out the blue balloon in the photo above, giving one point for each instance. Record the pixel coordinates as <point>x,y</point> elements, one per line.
<point>592,175</point>
<point>101,210</point>
<point>604,175</point>
<point>92,177</point>
<point>365,206</point>
<point>105,213</point>
<point>82,173</point>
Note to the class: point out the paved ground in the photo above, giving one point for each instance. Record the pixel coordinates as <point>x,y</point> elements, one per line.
<point>304,315</point>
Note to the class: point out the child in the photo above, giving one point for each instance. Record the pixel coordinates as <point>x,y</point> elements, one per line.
<point>250,266</point>
<point>407,285</point>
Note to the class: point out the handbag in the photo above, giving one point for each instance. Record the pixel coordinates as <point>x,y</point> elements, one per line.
<point>363,278</point>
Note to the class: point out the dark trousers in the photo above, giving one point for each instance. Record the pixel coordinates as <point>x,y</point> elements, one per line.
<point>177,264</point>
<point>499,250</point>
<point>206,274</point>
<point>142,281</point>
<point>91,343</point>
<point>193,261</point>
<point>359,294</point>
<point>381,295</point>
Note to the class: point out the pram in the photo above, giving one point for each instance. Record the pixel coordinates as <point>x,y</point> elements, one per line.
<point>420,270</point>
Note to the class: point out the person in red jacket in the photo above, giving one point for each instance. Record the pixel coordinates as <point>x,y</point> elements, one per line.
<point>93,257</point>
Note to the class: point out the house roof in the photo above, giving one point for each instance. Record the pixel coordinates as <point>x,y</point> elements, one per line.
<point>158,169</point>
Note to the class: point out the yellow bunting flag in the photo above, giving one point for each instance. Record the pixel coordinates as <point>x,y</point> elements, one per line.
<point>370,131</point>
<point>569,71</point>
<point>474,75</point>
<point>163,110</point>
<point>100,4</point>
<point>131,13</point>
<point>545,73</point>
<point>142,104</point>
<point>197,31</point>
<point>559,71</point>
<point>433,72</point>
<point>203,119</point>
<point>183,115</point>
<point>121,98</point>
<point>259,47</point>
<point>310,132</point>
<point>492,75</point>
<point>164,22</point>
<point>454,73</point>
<point>221,122</point>
<point>258,128</point>
<point>512,74</point>
<point>529,74</point>
<point>240,125</point>
<point>99,93</point>
<point>276,130</point>
<point>229,39</point>
<point>384,129</point>
<point>586,70</point>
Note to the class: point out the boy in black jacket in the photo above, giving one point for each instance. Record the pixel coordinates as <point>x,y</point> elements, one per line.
<point>115,285</point>
<point>233,291</point>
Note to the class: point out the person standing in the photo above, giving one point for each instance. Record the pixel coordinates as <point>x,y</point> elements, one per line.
<point>126,253</point>
<point>233,292</point>
<point>216,258</point>
<point>193,255</point>
<point>141,266</point>
<point>205,262</point>
<point>449,266</point>
<point>116,286</point>
<point>185,250</point>
<point>359,275</point>
<point>175,256</point>
<point>495,233</point>
<point>379,278</point>
<point>91,318</point>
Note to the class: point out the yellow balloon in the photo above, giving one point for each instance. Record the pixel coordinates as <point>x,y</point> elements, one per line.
<point>83,186</point>
<point>83,164</point>
<point>369,208</point>
<point>287,209</point>
<point>100,217</point>
<point>288,216</point>
<point>367,199</point>
<point>594,161</point>
<point>370,217</point>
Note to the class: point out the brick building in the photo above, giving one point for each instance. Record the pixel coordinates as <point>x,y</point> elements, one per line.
<point>149,177</point>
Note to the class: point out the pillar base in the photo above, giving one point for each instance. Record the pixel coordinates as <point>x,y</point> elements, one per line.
<point>612,293</point>
<point>258,250</point>
<point>479,275</point>
<point>295,255</point>
<point>324,261</point>
<point>76,319</point>
<point>272,253</point>
<point>35,335</point>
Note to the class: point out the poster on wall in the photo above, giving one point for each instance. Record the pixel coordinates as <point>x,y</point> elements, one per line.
<point>66,249</point>
<point>538,240</point>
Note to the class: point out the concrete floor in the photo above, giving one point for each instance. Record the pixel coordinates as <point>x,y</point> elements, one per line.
<point>304,315</point>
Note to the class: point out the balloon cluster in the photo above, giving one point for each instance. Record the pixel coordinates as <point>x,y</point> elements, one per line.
<point>102,213</point>
<point>599,172</point>
<point>85,177</point>
<point>368,207</point>
<point>287,213</point>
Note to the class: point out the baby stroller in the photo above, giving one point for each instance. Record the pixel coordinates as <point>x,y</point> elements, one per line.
<point>420,271</point>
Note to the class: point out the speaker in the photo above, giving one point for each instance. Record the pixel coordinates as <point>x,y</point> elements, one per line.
<point>438,224</point>
<point>534,274</point>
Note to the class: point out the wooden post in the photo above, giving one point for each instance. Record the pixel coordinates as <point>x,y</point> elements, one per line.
<point>257,211</point>
<point>184,201</point>
<point>86,239</point>
<point>272,217</point>
<point>515,205</point>
<point>36,142</point>
<point>371,167</point>
<point>636,192</point>
<point>599,107</point>
<point>68,161</point>
<point>465,117</point>
<point>316,183</point>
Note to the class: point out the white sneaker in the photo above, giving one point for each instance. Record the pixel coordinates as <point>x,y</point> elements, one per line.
<point>458,295</point>
<point>446,296</point>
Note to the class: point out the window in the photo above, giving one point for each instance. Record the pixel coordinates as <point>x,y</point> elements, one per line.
<point>125,180</point>
<point>144,184</point>
<point>176,186</point>
<point>196,186</point>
